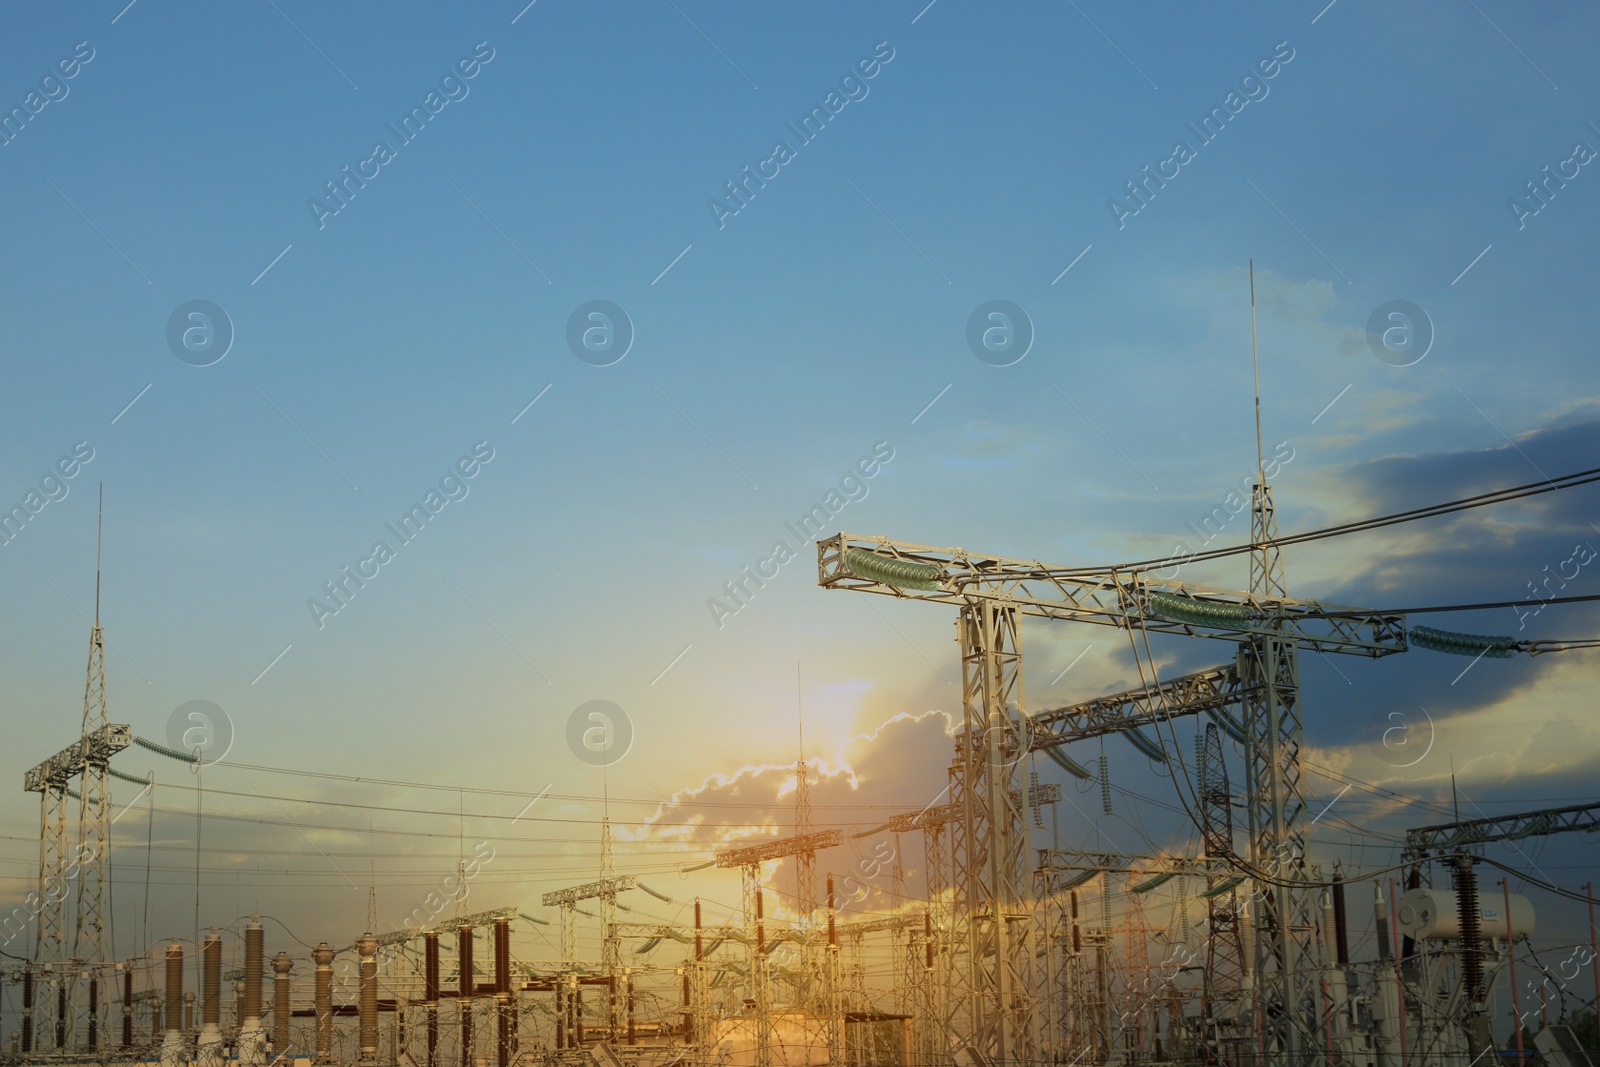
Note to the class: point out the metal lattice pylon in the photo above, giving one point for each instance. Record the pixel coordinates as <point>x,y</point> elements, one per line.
<point>94,812</point>
<point>1286,948</point>
<point>51,946</point>
<point>1137,987</point>
<point>1225,962</point>
<point>995,991</point>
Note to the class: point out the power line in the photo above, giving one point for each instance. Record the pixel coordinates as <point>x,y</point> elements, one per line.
<point>1498,496</point>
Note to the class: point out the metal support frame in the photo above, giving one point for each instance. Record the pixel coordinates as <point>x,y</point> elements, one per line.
<point>995,990</point>
<point>1225,959</point>
<point>1446,837</point>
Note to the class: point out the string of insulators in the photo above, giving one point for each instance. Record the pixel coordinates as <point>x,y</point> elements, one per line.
<point>163,750</point>
<point>1033,800</point>
<point>889,570</point>
<point>1183,908</point>
<point>1228,724</point>
<point>1105,779</point>
<point>1144,744</point>
<point>1201,612</point>
<point>1151,883</point>
<point>1462,644</point>
<point>1224,886</point>
<point>1068,764</point>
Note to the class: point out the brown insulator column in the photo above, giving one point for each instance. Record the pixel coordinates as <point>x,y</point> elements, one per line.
<point>281,966</point>
<point>577,1011</point>
<point>1466,880</point>
<point>464,961</point>
<point>27,1007</point>
<point>502,955</point>
<point>173,1049</point>
<point>1341,931</point>
<point>627,978</point>
<point>127,1007</point>
<point>61,1014</point>
<point>323,957</point>
<point>209,1048</point>
<point>188,1012</point>
<point>94,1011</point>
<point>211,987</point>
<point>155,1020</point>
<point>502,989</point>
<point>254,963</point>
<point>368,948</point>
<point>430,979</point>
<point>503,1031</point>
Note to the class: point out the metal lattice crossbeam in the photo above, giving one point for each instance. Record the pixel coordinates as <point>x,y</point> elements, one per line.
<point>930,818</point>
<point>1065,859</point>
<point>1423,840</point>
<point>1212,690</point>
<point>605,887</point>
<point>478,918</point>
<point>97,748</point>
<point>779,849</point>
<point>1103,597</point>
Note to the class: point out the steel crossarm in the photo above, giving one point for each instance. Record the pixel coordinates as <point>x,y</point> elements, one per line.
<point>97,747</point>
<point>776,850</point>
<point>1066,859</point>
<point>606,887</point>
<point>1213,690</point>
<point>1447,836</point>
<point>1102,596</point>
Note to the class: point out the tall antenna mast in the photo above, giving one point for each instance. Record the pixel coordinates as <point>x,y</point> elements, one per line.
<point>99,535</point>
<point>1255,359</point>
<point>1266,561</point>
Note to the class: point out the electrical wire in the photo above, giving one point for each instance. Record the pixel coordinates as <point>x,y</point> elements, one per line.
<point>1498,496</point>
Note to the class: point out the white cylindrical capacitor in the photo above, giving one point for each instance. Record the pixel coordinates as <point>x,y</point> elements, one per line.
<point>1432,915</point>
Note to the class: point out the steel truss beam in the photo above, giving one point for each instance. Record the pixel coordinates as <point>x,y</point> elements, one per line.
<point>1445,837</point>
<point>1213,690</point>
<point>1103,597</point>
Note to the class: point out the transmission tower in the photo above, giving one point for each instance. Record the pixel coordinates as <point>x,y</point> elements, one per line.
<point>1225,962</point>
<point>1269,665</point>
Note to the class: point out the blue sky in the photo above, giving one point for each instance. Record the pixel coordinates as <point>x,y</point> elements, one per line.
<point>771,352</point>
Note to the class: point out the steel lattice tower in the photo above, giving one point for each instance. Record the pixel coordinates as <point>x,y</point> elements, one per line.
<point>1270,665</point>
<point>995,990</point>
<point>94,808</point>
<point>1225,962</point>
<point>51,947</point>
